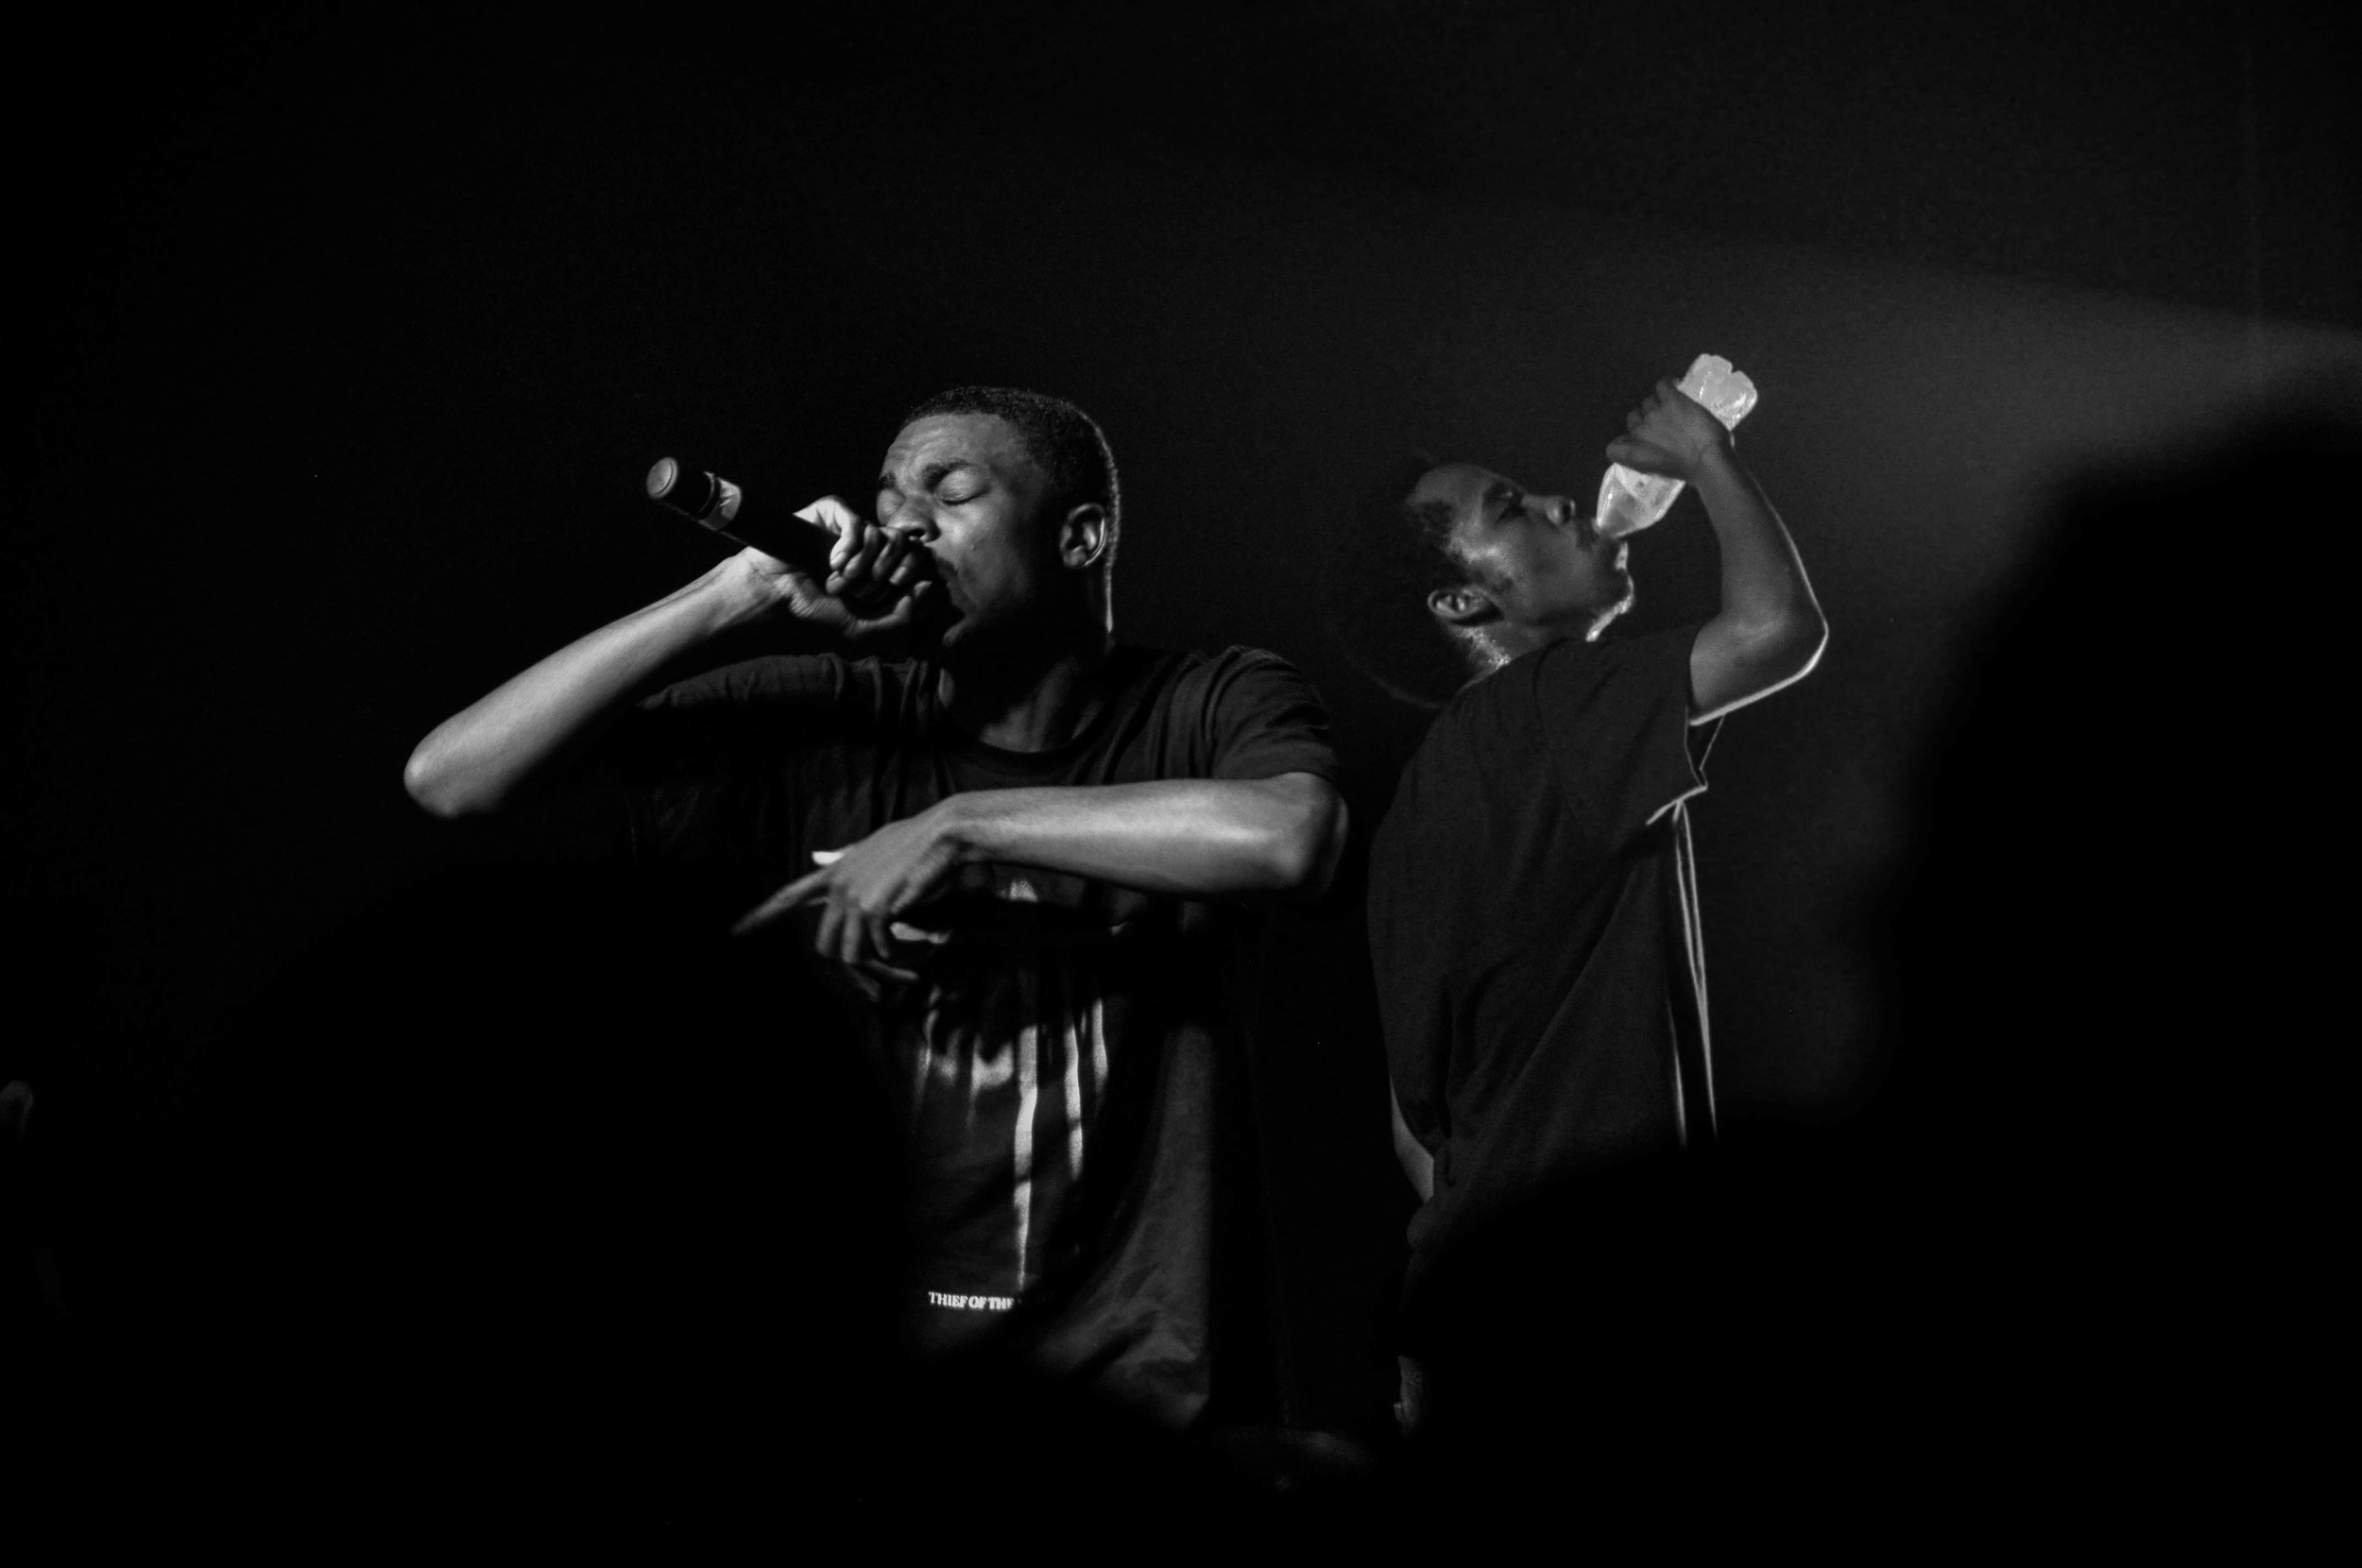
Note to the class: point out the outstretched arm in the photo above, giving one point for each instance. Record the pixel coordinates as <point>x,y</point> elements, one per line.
<point>1770,630</point>
<point>1195,838</point>
<point>480,758</point>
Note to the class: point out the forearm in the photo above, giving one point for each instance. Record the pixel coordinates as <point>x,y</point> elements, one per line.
<point>476,761</point>
<point>1764,587</point>
<point>1769,631</point>
<point>1195,838</point>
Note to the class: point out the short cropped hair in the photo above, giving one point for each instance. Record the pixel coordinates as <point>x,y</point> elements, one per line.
<point>1066,442</point>
<point>1389,556</point>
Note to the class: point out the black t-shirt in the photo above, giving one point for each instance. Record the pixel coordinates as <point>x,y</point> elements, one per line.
<point>1533,929</point>
<point>1062,1061</point>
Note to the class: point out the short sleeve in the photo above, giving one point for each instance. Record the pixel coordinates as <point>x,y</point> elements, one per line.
<point>1617,719</point>
<point>1263,719</point>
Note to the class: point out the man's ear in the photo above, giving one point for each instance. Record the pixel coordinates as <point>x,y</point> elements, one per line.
<point>1465,606</point>
<point>1083,538</point>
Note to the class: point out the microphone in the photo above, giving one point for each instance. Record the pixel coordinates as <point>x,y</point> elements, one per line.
<point>707,499</point>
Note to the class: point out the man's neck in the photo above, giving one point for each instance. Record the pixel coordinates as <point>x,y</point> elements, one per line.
<point>1500,641</point>
<point>1496,644</point>
<point>1031,699</point>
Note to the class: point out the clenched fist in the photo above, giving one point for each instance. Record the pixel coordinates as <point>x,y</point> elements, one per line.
<point>880,579</point>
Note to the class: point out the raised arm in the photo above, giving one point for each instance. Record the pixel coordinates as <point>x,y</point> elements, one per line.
<point>1195,838</point>
<point>1770,630</point>
<point>527,729</point>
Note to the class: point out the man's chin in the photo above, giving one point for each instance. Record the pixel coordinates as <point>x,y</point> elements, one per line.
<point>1607,613</point>
<point>928,641</point>
<point>932,633</point>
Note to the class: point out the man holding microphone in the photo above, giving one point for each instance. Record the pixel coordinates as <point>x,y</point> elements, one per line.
<point>1030,855</point>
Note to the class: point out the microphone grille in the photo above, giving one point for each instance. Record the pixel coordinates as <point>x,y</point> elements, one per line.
<point>681,487</point>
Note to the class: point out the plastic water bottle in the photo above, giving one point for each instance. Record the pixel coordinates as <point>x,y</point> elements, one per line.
<point>1630,501</point>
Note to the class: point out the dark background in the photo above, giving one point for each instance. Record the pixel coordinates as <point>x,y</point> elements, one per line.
<point>349,348</point>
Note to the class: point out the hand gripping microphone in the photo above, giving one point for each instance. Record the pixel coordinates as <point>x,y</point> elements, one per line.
<point>706,497</point>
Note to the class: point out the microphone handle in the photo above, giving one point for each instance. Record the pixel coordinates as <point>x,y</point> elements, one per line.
<point>709,499</point>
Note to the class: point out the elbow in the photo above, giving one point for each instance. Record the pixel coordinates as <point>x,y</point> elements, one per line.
<point>1788,647</point>
<point>1294,870</point>
<point>1738,663</point>
<point>1305,851</point>
<point>1807,639</point>
<point>430,780</point>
